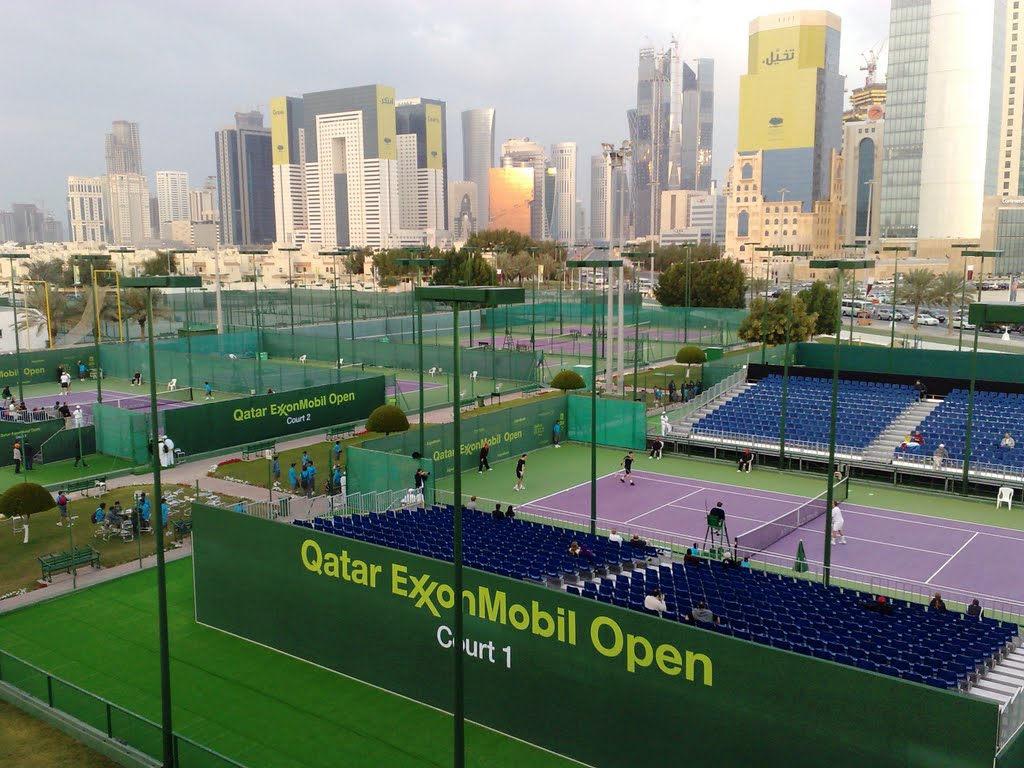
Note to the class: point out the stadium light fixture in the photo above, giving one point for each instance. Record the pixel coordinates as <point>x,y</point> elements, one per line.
<point>457,296</point>
<point>837,264</point>
<point>897,249</point>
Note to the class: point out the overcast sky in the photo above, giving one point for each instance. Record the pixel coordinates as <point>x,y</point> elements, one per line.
<point>555,71</point>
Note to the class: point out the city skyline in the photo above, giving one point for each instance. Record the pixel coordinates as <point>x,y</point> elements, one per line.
<point>601,86</point>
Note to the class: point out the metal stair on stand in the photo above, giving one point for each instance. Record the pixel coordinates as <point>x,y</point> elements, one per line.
<point>880,451</point>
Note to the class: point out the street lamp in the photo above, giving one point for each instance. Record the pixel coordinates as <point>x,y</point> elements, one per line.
<point>785,364</point>
<point>148,284</point>
<point>420,263</point>
<point>895,289</point>
<point>256,314</point>
<point>290,249</point>
<point>594,265</point>
<point>91,259</point>
<point>837,264</point>
<point>122,250</point>
<point>770,249</point>
<point>963,290</point>
<point>457,296</point>
<point>188,329</point>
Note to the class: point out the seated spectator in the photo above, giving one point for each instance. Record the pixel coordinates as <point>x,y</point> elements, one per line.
<point>922,390</point>
<point>100,514</point>
<point>937,604</point>
<point>974,609</point>
<point>909,443</point>
<point>496,513</point>
<point>1007,441</point>
<point>574,548</point>
<point>878,605</point>
<point>240,507</point>
<point>509,513</point>
<point>745,563</point>
<point>637,543</point>
<point>702,615</point>
<point>940,456</point>
<point>919,438</point>
<point>655,602</point>
<point>746,457</point>
<point>585,552</point>
<point>614,536</point>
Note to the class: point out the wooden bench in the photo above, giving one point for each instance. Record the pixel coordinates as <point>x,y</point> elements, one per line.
<point>342,431</point>
<point>182,528</point>
<point>65,561</point>
<point>85,485</point>
<point>257,450</point>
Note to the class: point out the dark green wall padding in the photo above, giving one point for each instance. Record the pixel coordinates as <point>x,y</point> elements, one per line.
<point>713,700</point>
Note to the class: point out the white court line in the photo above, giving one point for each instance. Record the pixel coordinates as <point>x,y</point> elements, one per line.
<point>669,504</point>
<point>928,580</point>
<point>739,490</point>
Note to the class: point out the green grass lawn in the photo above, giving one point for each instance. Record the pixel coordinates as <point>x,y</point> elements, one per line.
<point>55,473</point>
<point>247,702</point>
<point>29,743</point>
<point>19,567</point>
<point>660,377</point>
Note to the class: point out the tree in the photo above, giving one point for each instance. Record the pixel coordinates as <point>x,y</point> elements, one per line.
<point>916,287</point>
<point>55,272</point>
<point>566,380</point>
<point>752,329</point>
<point>500,240</point>
<point>948,290</point>
<point>820,300</point>
<point>667,255</point>
<point>464,267</point>
<point>387,419</point>
<point>158,264</point>
<point>691,355</point>
<point>517,267</point>
<point>719,283</point>
<point>133,305</point>
<point>389,271</point>
<point>25,499</point>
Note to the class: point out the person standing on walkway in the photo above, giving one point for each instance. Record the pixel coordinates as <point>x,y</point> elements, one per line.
<point>484,450</point>
<point>275,469</point>
<point>520,473</point>
<point>293,478</point>
<point>62,507</point>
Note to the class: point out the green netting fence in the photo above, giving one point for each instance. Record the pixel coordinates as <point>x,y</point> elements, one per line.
<point>66,444</point>
<point>33,433</point>
<point>715,371</point>
<point>371,476</point>
<point>122,433</point>
<point>620,423</point>
<point>509,432</point>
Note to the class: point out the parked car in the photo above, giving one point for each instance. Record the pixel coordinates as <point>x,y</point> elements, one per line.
<point>963,322</point>
<point>938,315</point>
<point>888,314</point>
<point>923,319</point>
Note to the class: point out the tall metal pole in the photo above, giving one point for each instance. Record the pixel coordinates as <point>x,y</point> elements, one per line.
<point>764,316</point>
<point>785,372</point>
<point>963,304</point>
<point>216,288</point>
<point>161,573</point>
<point>826,572</point>
<point>351,310</point>
<point>895,290</point>
<point>686,317</point>
<point>419,344</point>
<point>337,319</point>
<point>593,404</point>
<point>609,336</point>
<point>636,335</point>
<point>459,760</point>
<point>259,334</point>
<point>17,342</point>
<point>96,338</point>
<point>970,413</point>
<point>853,305</point>
<point>621,332</point>
<point>291,293</point>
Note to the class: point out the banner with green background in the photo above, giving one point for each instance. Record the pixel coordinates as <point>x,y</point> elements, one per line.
<point>244,420</point>
<point>563,672</point>
<point>39,366</point>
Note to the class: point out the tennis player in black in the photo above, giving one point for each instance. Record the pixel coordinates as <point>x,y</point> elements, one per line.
<point>484,464</point>
<point>520,471</point>
<point>627,462</point>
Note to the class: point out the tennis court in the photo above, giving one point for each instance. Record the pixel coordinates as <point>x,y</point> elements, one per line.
<point>962,560</point>
<point>137,400</point>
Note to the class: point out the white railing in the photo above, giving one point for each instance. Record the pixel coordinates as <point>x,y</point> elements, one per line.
<point>268,510</point>
<point>740,439</point>
<point>955,467</point>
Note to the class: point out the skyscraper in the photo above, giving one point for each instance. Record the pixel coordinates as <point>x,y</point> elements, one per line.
<point>698,110</point>
<point>288,138</point>
<point>172,196</point>
<point>245,182</point>
<point>563,159</point>
<point>790,129</point>
<point>127,209</point>
<point>463,209</point>
<point>86,212</point>
<point>422,126</point>
<point>599,188</point>
<point>124,149</point>
<point>478,155</point>
<point>944,105</point>
<point>523,153</point>
<point>655,128</point>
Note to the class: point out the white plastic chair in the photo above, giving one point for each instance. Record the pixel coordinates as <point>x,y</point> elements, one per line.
<point>302,359</point>
<point>172,385</point>
<point>1005,495</point>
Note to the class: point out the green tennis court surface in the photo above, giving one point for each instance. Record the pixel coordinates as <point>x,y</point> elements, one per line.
<point>244,701</point>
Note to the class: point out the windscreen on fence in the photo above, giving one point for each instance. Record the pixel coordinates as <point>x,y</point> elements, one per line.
<point>122,433</point>
<point>33,433</point>
<point>375,481</point>
<point>620,423</point>
<point>508,432</point>
<point>66,444</point>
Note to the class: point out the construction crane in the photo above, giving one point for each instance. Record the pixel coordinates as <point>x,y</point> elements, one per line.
<point>871,61</point>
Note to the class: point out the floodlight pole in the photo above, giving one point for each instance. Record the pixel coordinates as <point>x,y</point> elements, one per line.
<point>962,247</point>
<point>90,258</point>
<point>770,249</point>
<point>838,265</point>
<point>970,410</point>
<point>337,316</point>
<point>895,289</point>
<point>785,364</point>
<point>14,309</point>
<point>290,249</point>
<point>636,311</point>
<point>256,315</point>
<point>188,329</point>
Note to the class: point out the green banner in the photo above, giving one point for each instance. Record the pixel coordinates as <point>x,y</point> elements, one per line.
<point>40,366</point>
<point>34,433</point>
<point>563,672</point>
<point>509,432</point>
<point>224,423</point>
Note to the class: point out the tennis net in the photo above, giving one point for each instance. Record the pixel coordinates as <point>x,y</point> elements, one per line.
<point>142,402</point>
<point>766,534</point>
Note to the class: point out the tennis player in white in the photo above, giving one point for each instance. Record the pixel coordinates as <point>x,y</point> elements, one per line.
<point>837,524</point>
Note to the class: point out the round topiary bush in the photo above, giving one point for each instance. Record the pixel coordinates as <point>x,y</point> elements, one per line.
<point>25,499</point>
<point>691,355</point>
<point>387,419</point>
<point>565,380</point>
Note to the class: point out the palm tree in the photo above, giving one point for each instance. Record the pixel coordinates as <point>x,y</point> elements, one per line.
<point>916,288</point>
<point>948,289</point>
<point>64,312</point>
<point>133,304</point>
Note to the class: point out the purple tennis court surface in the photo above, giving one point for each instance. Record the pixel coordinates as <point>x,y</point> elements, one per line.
<point>84,395</point>
<point>962,560</point>
<point>404,385</point>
